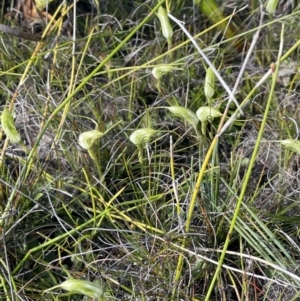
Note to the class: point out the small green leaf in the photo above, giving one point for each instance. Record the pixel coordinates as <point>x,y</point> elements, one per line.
<point>185,114</point>
<point>291,144</point>
<point>166,27</point>
<point>9,128</point>
<point>87,139</point>
<point>208,113</point>
<point>142,136</point>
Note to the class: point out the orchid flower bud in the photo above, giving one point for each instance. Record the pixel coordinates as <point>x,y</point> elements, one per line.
<point>291,144</point>
<point>271,6</point>
<point>82,287</point>
<point>9,127</point>
<point>209,83</point>
<point>208,113</point>
<point>162,69</point>
<point>87,139</point>
<point>166,27</point>
<point>142,136</point>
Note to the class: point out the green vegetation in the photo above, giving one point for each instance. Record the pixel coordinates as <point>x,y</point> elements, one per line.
<point>147,159</point>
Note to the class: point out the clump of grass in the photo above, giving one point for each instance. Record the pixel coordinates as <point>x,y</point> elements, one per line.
<point>191,214</point>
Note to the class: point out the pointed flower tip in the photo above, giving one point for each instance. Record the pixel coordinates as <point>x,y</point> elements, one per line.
<point>185,114</point>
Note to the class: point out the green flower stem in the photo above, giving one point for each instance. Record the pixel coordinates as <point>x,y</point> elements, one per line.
<point>96,160</point>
